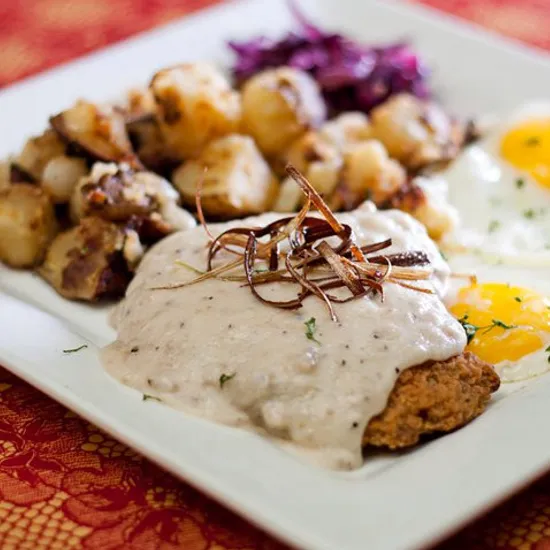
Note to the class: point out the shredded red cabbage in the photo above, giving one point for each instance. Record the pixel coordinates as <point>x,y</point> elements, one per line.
<point>351,76</point>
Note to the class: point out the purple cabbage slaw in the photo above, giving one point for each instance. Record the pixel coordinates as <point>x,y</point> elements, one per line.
<point>352,76</point>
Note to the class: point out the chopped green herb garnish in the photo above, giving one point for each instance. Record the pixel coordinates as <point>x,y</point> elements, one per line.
<point>497,323</point>
<point>225,378</point>
<point>529,213</point>
<point>84,250</point>
<point>443,255</point>
<point>518,299</point>
<point>532,141</point>
<point>547,350</point>
<point>260,270</point>
<point>74,350</point>
<point>147,397</point>
<point>471,330</point>
<point>493,226</point>
<point>310,330</point>
<point>520,183</point>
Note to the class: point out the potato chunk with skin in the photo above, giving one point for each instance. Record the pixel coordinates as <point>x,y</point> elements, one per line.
<point>116,193</point>
<point>194,105</point>
<point>320,162</point>
<point>319,155</point>
<point>61,175</point>
<point>5,174</point>
<point>38,151</point>
<point>346,129</point>
<point>279,105</point>
<point>416,132</point>
<point>86,262</point>
<point>99,132</point>
<point>425,200</point>
<point>370,173</point>
<point>237,180</point>
<point>150,146</point>
<point>140,102</point>
<point>27,225</point>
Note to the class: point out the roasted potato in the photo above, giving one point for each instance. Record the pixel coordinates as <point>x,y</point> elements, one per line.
<point>289,196</point>
<point>60,176</point>
<point>116,193</point>
<point>5,174</point>
<point>86,262</point>
<point>319,161</point>
<point>27,225</point>
<point>370,173</point>
<point>148,142</point>
<point>140,103</point>
<point>237,180</point>
<point>346,130</point>
<point>319,155</point>
<point>195,104</point>
<point>425,200</point>
<point>97,132</point>
<point>109,192</point>
<point>416,132</point>
<point>37,152</point>
<point>279,105</point>
<point>133,249</point>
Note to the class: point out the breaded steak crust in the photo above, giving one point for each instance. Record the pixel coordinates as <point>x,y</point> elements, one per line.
<point>437,396</point>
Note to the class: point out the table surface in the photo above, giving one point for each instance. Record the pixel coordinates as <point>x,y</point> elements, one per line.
<point>66,484</point>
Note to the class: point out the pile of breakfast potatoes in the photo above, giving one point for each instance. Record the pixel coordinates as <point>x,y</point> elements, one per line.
<point>83,201</point>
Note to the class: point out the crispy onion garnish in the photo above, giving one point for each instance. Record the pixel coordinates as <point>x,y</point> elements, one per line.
<point>310,262</point>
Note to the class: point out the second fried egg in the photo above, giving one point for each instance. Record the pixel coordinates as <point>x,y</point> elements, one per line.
<point>506,325</point>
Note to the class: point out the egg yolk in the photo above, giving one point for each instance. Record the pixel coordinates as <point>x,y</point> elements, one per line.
<point>505,322</point>
<point>527,147</point>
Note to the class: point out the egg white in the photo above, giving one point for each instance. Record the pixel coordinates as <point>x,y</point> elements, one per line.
<point>504,214</point>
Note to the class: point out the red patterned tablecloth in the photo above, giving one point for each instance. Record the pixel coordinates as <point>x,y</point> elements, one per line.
<point>66,484</point>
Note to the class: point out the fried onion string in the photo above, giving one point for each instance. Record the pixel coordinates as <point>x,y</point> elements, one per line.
<point>310,261</point>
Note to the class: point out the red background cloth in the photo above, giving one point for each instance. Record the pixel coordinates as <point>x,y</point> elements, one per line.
<point>64,483</point>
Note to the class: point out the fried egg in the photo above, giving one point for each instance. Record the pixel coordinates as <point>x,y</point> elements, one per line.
<point>500,187</point>
<point>506,325</point>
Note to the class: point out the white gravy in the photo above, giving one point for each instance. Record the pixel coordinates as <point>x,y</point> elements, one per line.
<point>178,345</point>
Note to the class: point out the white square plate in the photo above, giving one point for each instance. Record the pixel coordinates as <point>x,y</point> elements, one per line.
<point>393,502</point>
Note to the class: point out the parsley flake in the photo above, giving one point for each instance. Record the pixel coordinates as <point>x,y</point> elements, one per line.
<point>74,350</point>
<point>500,324</point>
<point>147,397</point>
<point>225,378</point>
<point>532,141</point>
<point>518,299</point>
<point>529,213</point>
<point>311,329</point>
<point>547,350</point>
<point>520,183</point>
<point>471,330</point>
<point>493,226</point>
